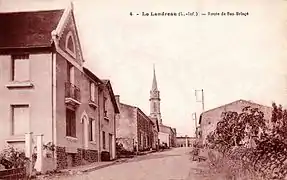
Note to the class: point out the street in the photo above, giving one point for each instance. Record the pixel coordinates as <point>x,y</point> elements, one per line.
<point>174,164</point>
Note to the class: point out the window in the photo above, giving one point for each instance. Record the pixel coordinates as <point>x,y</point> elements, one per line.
<point>91,129</point>
<point>105,110</point>
<point>70,73</point>
<point>104,140</point>
<point>142,140</point>
<point>20,119</point>
<point>92,91</point>
<point>20,68</point>
<point>70,44</point>
<point>148,141</point>
<point>139,138</point>
<point>70,123</point>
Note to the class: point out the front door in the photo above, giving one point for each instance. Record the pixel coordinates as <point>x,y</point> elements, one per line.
<point>111,145</point>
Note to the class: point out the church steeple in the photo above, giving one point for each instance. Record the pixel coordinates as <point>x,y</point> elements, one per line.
<point>155,99</point>
<point>154,83</point>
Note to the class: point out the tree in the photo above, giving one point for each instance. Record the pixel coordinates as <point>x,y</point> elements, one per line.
<point>246,136</point>
<point>238,129</point>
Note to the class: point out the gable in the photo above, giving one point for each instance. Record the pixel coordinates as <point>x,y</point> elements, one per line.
<point>109,88</point>
<point>165,129</point>
<point>212,116</point>
<point>69,41</point>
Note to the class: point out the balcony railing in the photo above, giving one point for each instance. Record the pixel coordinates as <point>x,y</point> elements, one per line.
<point>72,92</point>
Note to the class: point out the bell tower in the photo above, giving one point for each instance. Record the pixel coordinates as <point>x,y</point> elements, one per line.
<point>155,99</point>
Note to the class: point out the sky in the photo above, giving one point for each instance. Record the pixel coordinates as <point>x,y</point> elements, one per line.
<point>230,57</point>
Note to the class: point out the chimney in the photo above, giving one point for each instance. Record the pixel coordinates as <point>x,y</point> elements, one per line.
<point>117,97</point>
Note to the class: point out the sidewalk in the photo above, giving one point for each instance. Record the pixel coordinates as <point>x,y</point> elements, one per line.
<point>103,164</point>
<point>77,170</point>
<point>92,166</point>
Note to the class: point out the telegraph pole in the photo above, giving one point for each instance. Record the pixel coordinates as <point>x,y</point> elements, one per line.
<point>202,97</point>
<point>194,118</point>
<point>201,100</point>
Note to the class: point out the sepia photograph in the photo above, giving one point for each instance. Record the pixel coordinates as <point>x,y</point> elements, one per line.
<point>143,90</point>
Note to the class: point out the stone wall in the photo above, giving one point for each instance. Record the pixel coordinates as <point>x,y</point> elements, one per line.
<point>61,157</point>
<point>82,155</point>
<point>90,155</point>
<point>144,130</point>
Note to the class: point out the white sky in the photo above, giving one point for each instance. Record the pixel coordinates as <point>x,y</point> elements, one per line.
<point>230,58</point>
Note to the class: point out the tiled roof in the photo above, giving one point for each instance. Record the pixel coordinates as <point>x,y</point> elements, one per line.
<point>28,29</point>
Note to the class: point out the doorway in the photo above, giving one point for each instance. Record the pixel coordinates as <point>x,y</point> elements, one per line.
<point>111,145</point>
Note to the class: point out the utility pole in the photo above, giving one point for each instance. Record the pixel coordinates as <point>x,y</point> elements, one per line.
<point>186,142</point>
<point>200,98</point>
<point>195,121</point>
<point>202,93</point>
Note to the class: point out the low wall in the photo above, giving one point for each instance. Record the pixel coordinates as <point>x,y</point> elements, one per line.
<point>17,173</point>
<point>81,157</point>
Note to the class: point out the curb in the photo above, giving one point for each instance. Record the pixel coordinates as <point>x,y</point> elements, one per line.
<point>103,166</point>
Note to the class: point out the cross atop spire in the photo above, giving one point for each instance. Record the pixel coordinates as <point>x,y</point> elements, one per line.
<point>154,83</point>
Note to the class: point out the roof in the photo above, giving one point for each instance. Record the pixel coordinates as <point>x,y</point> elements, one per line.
<point>240,100</point>
<point>28,29</point>
<point>138,109</point>
<point>147,117</point>
<point>92,75</point>
<point>128,105</point>
<point>154,82</point>
<point>110,89</point>
<point>156,121</point>
<point>165,126</point>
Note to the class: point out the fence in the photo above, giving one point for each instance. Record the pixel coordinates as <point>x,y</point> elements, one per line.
<point>9,174</point>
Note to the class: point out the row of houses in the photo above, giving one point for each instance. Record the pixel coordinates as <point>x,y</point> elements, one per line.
<point>138,131</point>
<point>46,89</point>
<point>185,141</point>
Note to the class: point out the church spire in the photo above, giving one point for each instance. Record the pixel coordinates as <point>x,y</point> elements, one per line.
<point>155,99</point>
<point>154,83</point>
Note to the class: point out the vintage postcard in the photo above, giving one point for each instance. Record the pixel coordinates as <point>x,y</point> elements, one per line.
<point>147,90</point>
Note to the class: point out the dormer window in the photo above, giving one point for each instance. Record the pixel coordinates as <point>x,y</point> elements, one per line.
<point>70,44</point>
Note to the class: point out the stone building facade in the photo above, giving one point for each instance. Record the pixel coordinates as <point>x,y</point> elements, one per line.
<point>45,89</point>
<point>135,130</point>
<point>208,119</point>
